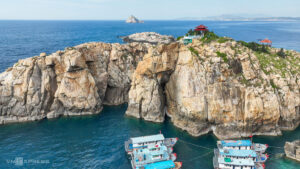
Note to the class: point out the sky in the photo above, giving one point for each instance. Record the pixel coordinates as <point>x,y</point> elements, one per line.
<point>143,9</point>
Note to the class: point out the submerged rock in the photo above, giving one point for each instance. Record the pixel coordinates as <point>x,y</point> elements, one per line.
<point>223,87</point>
<point>148,37</point>
<point>292,150</point>
<point>133,19</point>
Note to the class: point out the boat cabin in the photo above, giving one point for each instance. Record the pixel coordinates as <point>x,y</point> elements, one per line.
<point>238,154</point>
<point>143,142</point>
<point>230,163</point>
<point>235,144</point>
<point>142,157</point>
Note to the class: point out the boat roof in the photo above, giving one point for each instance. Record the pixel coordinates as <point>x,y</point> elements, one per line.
<point>236,162</point>
<point>238,153</point>
<point>161,165</point>
<point>143,139</point>
<point>146,151</point>
<point>236,143</point>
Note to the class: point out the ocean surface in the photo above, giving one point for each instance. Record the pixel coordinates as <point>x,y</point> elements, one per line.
<point>98,141</point>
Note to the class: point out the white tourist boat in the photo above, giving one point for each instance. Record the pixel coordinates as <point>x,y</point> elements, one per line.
<point>152,152</point>
<point>143,142</point>
<point>242,145</point>
<point>239,154</point>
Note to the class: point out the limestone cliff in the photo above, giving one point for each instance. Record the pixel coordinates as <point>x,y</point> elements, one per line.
<point>77,81</point>
<point>220,86</point>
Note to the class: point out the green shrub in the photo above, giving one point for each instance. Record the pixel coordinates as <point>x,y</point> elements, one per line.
<point>194,51</point>
<point>191,32</point>
<point>255,46</point>
<point>281,53</point>
<point>209,37</point>
<point>180,37</point>
<point>273,84</point>
<point>223,40</point>
<point>244,80</point>
<point>223,56</point>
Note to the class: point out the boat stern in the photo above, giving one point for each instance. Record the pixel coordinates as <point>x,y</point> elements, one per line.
<point>170,142</point>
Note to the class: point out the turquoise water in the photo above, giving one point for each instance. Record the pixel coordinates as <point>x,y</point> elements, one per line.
<point>97,142</point>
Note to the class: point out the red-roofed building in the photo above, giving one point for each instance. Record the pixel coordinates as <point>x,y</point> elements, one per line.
<point>266,41</point>
<point>201,28</point>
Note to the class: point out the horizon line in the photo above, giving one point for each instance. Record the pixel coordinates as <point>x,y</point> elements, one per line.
<point>224,20</point>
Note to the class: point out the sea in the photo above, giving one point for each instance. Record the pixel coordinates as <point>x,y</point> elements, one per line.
<point>97,141</point>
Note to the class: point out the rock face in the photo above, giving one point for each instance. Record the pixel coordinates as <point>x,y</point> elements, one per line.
<point>77,81</point>
<point>292,150</point>
<point>224,87</point>
<point>146,95</point>
<point>149,37</point>
<point>220,86</point>
<point>133,19</point>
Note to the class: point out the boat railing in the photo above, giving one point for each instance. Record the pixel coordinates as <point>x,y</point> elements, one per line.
<point>216,152</point>
<point>170,141</point>
<point>215,162</point>
<point>127,146</point>
<point>260,147</point>
<point>261,158</point>
<point>259,166</point>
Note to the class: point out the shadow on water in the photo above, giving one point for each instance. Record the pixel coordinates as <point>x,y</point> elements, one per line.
<point>97,141</point>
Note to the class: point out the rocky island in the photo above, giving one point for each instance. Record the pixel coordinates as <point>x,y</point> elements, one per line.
<point>292,150</point>
<point>214,84</point>
<point>133,19</point>
<point>148,37</point>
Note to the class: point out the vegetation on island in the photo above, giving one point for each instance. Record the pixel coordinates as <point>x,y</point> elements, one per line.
<point>223,56</point>
<point>281,53</point>
<point>281,62</point>
<point>270,60</point>
<point>255,46</point>
<point>180,37</point>
<point>194,51</point>
<point>191,32</point>
<point>211,36</point>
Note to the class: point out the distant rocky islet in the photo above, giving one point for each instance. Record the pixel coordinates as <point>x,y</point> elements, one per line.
<point>148,37</point>
<point>133,19</point>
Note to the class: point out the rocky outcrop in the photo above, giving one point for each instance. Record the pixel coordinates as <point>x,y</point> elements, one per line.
<point>219,86</point>
<point>292,150</point>
<point>148,37</point>
<point>133,19</point>
<point>77,81</point>
<point>146,95</point>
